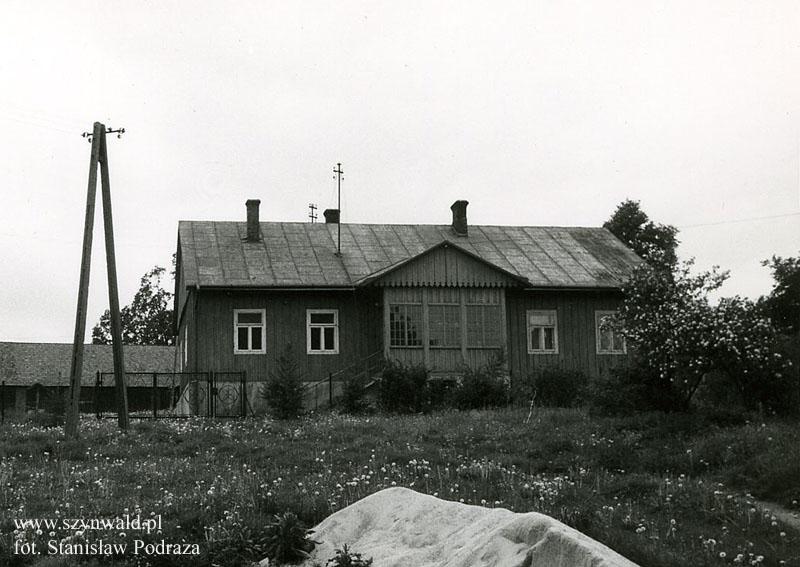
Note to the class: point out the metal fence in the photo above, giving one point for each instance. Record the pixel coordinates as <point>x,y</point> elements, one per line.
<point>153,395</point>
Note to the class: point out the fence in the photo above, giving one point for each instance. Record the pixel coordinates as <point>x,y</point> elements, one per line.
<point>323,393</point>
<point>153,395</point>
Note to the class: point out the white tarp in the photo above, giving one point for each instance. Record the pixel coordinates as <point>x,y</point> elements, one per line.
<point>399,527</point>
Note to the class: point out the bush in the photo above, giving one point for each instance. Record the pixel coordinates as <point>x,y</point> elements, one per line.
<point>283,390</point>
<point>345,558</point>
<point>403,388</point>
<point>553,387</point>
<point>288,539</point>
<point>485,387</point>
<point>630,389</point>
<point>354,391</point>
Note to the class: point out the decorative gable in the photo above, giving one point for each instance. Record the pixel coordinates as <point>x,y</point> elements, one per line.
<point>445,265</point>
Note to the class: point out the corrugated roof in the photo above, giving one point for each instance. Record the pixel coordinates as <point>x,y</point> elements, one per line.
<point>48,364</point>
<point>293,254</point>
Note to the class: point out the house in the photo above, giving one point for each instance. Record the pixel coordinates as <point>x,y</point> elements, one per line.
<point>444,296</point>
<point>37,375</point>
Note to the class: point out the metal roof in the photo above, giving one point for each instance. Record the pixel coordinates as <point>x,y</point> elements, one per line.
<point>295,254</point>
<point>48,364</point>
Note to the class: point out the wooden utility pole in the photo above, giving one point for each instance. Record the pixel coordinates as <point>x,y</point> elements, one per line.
<point>120,385</point>
<point>99,156</point>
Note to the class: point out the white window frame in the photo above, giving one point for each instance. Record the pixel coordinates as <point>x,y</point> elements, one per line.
<point>263,326</point>
<point>334,326</point>
<point>529,327</point>
<point>598,316</point>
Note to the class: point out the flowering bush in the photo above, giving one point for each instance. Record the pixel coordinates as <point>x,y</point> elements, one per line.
<point>679,336</point>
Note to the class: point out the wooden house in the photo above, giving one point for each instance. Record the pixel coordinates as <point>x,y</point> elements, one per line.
<point>444,296</point>
<point>35,376</point>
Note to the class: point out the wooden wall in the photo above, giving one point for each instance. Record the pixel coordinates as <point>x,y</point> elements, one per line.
<point>210,318</point>
<point>576,330</point>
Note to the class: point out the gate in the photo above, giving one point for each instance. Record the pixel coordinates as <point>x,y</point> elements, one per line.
<point>154,395</point>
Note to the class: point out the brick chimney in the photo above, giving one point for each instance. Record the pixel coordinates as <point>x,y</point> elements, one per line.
<point>253,229</point>
<point>331,216</point>
<point>459,209</point>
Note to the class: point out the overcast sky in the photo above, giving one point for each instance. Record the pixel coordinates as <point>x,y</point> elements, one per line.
<point>538,113</point>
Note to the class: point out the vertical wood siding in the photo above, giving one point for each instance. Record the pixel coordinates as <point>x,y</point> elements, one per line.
<point>212,347</point>
<point>576,331</point>
<point>446,266</point>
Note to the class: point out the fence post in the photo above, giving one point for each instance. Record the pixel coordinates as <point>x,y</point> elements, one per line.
<point>330,389</point>
<point>98,383</point>
<point>244,393</point>
<point>212,394</point>
<point>155,395</point>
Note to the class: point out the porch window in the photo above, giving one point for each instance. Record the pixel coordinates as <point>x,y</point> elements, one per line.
<point>405,325</point>
<point>445,325</point>
<point>249,330</point>
<point>542,332</point>
<point>609,340</point>
<point>322,331</point>
<point>483,325</point>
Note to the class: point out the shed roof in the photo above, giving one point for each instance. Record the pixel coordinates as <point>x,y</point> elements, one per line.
<point>48,364</point>
<point>295,254</point>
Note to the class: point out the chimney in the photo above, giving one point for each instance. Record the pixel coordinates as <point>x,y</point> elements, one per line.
<point>459,209</point>
<point>331,216</point>
<point>253,230</point>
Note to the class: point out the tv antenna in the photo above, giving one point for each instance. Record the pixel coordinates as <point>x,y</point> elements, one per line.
<point>338,176</point>
<point>312,214</point>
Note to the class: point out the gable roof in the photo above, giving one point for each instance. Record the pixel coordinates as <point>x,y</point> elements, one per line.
<point>294,254</point>
<point>48,364</point>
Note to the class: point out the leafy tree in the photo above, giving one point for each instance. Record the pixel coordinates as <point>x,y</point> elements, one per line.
<point>679,337</point>
<point>783,303</point>
<point>653,242</point>
<point>147,320</point>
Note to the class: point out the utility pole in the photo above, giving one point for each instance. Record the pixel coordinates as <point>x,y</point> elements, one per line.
<point>338,176</point>
<point>99,156</point>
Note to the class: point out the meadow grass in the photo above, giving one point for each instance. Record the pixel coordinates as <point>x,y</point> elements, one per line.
<point>663,490</point>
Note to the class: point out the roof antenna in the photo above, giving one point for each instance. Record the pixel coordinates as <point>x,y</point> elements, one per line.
<point>339,176</point>
<point>312,212</point>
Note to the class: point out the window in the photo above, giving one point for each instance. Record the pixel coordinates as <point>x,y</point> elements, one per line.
<point>248,331</point>
<point>322,335</point>
<point>609,341</point>
<point>445,325</point>
<point>542,332</point>
<point>405,329</point>
<point>483,326</point>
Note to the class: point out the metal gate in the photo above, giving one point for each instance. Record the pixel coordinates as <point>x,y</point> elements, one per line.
<point>154,395</point>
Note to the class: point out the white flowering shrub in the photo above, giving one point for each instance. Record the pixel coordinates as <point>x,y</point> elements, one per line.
<point>679,337</point>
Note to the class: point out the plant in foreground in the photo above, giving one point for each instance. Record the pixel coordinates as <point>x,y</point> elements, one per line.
<point>288,539</point>
<point>345,558</point>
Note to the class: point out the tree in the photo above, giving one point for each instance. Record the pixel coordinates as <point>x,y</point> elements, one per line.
<point>653,242</point>
<point>147,320</point>
<point>679,337</point>
<point>782,305</point>
<point>283,390</point>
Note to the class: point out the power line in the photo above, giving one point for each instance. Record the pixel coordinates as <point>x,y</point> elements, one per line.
<point>740,220</point>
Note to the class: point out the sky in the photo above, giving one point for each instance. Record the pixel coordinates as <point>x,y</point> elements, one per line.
<point>537,113</point>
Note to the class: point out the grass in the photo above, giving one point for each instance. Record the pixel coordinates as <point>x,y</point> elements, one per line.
<point>663,490</point>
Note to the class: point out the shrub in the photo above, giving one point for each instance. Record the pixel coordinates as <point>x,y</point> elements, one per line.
<point>633,388</point>
<point>345,558</point>
<point>283,390</point>
<point>485,387</point>
<point>354,390</point>
<point>288,539</point>
<point>553,387</point>
<point>403,388</point>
